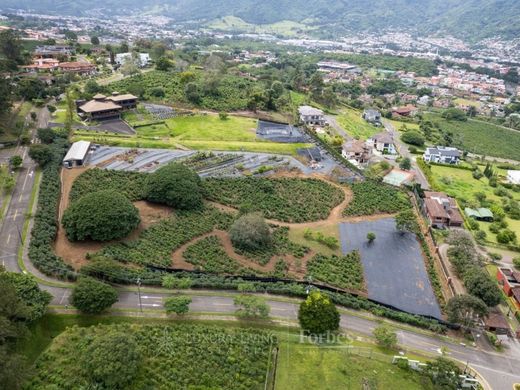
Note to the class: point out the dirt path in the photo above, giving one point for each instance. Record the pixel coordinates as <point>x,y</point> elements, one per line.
<point>298,270</point>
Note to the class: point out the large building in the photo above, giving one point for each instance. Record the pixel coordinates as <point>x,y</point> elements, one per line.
<point>77,154</point>
<point>311,116</point>
<point>102,107</point>
<point>141,59</point>
<point>442,154</point>
<point>441,210</point>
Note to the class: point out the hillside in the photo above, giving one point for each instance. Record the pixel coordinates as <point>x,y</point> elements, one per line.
<point>470,18</point>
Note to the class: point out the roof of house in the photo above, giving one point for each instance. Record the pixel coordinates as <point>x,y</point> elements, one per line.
<point>516,293</point>
<point>404,110</point>
<point>496,319</point>
<point>76,64</point>
<point>119,98</point>
<point>308,110</point>
<point>385,137</point>
<point>372,112</point>
<point>96,106</point>
<point>435,209</point>
<point>444,151</point>
<point>99,96</point>
<point>355,146</point>
<point>77,151</point>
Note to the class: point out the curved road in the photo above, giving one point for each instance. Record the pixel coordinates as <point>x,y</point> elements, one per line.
<point>500,370</point>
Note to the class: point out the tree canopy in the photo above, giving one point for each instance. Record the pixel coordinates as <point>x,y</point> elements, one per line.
<point>177,304</point>
<point>317,314</point>
<point>465,310</point>
<point>92,296</point>
<point>176,186</point>
<point>406,221</point>
<point>100,216</point>
<point>250,232</point>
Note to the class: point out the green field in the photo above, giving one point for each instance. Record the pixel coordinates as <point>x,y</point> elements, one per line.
<point>481,137</point>
<point>310,367</point>
<point>356,126</point>
<point>284,27</point>
<point>199,132</point>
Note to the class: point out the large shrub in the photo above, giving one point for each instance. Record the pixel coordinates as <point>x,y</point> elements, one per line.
<point>250,232</point>
<point>413,138</point>
<point>92,296</point>
<point>100,216</point>
<point>176,186</point>
<point>317,314</point>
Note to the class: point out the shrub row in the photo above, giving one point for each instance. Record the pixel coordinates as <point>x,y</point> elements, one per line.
<point>41,252</point>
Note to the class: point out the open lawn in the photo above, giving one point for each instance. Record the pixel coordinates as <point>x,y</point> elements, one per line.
<point>356,126</point>
<point>481,137</point>
<point>303,366</point>
<point>199,132</point>
<point>296,235</point>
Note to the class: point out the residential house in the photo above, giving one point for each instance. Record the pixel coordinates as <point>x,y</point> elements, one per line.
<point>311,116</point>
<point>83,68</point>
<point>480,214</point>
<point>53,51</point>
<point>441,210</point>
<point>406,111</point>
<point>509,280</point>
<point>141,59</point>
<point>357,152</point>
<point>442,154</point>
<point>102,107</point>
<point>372,116</point>
<point>383,143</point>
<point>424,100</point>
<point>513,177</point>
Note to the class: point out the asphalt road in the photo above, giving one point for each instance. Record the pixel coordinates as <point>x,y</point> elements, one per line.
<point>500,370</point>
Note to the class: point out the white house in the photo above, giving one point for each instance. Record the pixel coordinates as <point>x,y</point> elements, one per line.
<point>311,116</point>
<point>372,116</point>
<point>513,177</point>
<point>442,154</point>
<point>141,59</point>
<point>383,143</point>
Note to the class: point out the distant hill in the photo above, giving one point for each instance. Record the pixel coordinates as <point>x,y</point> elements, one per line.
<point>466,18</point>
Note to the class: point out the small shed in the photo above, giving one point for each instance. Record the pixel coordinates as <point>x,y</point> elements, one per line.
<point>497,323</point>
<point>480,214</point>
<point>77,154</point>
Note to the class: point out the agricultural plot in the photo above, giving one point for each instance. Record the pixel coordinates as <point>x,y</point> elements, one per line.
<point>371,198</point>
<point>481,137</point>
<point>341,271</point>
<point>393,266</point>
<point>172,357</point>
<point>355,125</point>
<point>287,200</point>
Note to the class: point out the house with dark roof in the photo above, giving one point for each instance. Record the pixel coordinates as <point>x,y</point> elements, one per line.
<point>311,116</point>
<point>383,143</point>
<point>509,280</point>
<point>441,210</point>
<point>102,107</point>
<point>357,152</point>
<point>442,154</point>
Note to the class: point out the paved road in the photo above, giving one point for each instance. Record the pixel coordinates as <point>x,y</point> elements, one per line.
<point>403,151</point>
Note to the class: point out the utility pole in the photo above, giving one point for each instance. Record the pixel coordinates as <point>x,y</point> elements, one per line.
<point>139,294</point>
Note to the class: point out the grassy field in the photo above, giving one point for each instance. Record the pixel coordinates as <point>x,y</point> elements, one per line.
<point>199,132</point>
<point>356,126</point>
<point>481,137</point>
<point>296,234</point>
<point>310,367</point>
<point>284,27</point>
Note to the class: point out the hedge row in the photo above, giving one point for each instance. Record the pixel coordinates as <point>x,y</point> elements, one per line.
<point>116,273</point>
<point>41,252</point>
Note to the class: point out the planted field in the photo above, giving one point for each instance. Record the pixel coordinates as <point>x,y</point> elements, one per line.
<point>371,197</point>
<point>340,271</point>
<point>355,125</point>
<point>288,199</point>
<point>482,137</point>
<point>168,357</point>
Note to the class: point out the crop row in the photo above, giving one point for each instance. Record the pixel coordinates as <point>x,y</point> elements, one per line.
<point>338,271</point>
<point>371,197</point>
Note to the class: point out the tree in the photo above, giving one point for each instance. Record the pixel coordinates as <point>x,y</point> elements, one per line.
<point>92,87</point>
<point>443,373</point>
<point>371,236</point>
<point>16,161</point>
<point>223,115</point>
<point>100,216</point>
<point>178,304</point>
<point>516,262</point>
<point>250,232</point>
<point>112,360</point>
<point>10,50</point>
<point>191,90</point>
<point>317,314</point>
<point>46,135</point>
<point>251,306</point>
<point>455,114</point>
<point>41,154</point>
<point>406,221</point>
<point>176,186</point>
<point>163,64</point>
<point>479,284</point>
<point>405,164</point>
<point>92,296</point>
<point>94,40</point>
<point>506,236</point>
<point>472,111</point>
<point>385,336</point>
<point>413,138</point>
<point>465,310</point>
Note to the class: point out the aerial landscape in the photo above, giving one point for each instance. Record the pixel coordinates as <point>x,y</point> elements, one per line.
<point>278,195</point>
